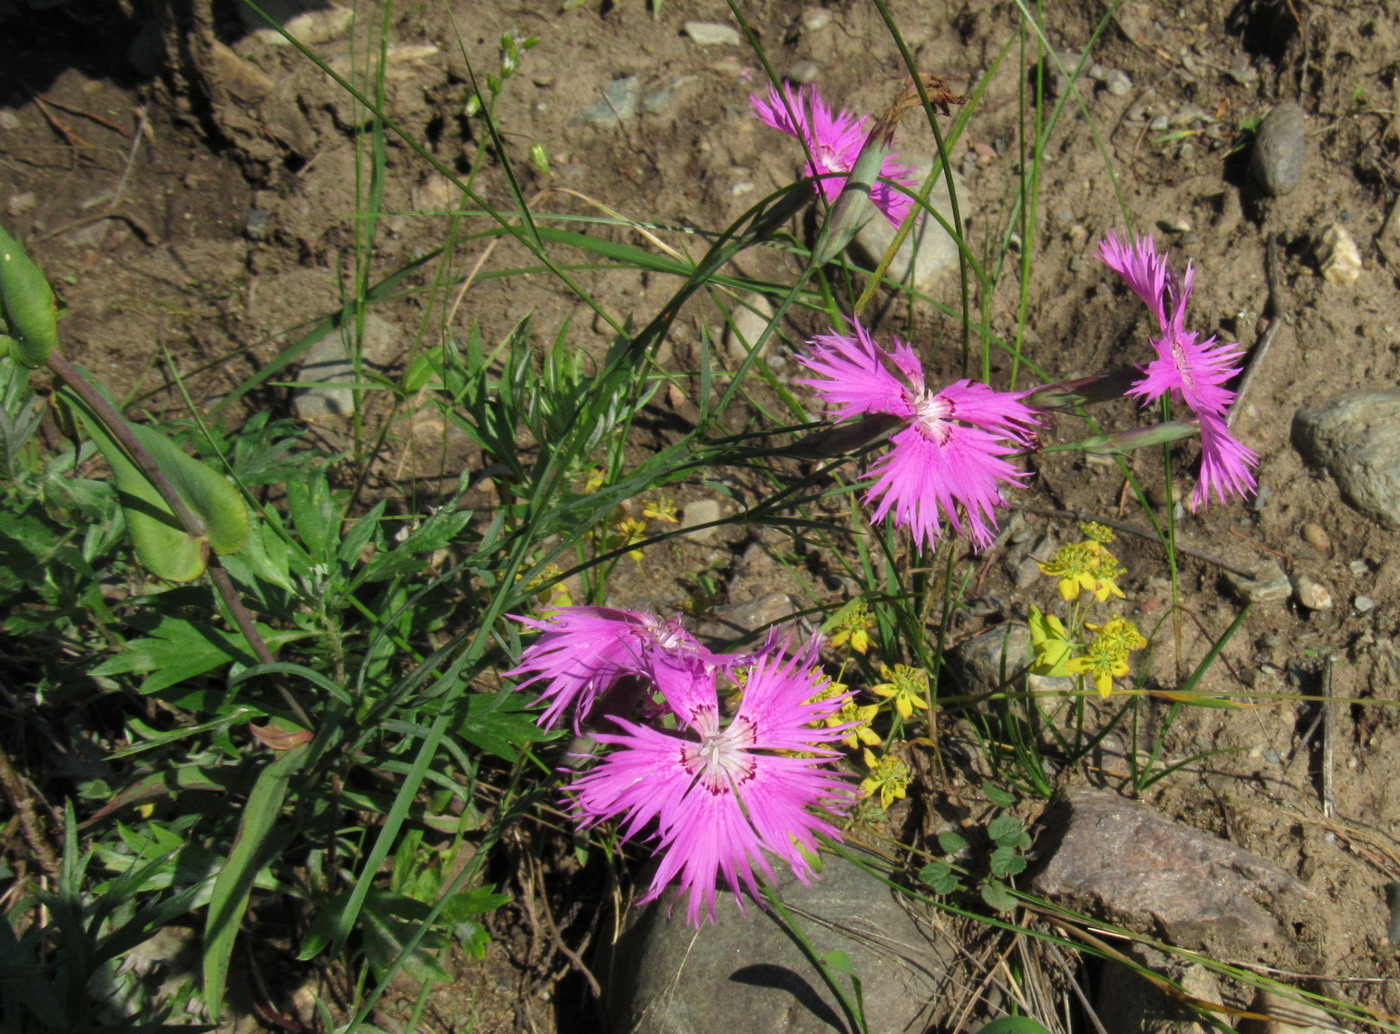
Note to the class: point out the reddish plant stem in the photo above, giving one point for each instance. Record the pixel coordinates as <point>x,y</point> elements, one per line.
<point>117,426</point>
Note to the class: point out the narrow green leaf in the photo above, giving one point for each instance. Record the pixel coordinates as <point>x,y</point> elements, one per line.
<point>235,881</point>
<point>27,303</point>
<point>1014,1025</point>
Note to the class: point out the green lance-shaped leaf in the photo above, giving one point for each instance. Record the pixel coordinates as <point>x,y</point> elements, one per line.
<point>162,544</point>
<point>26,302</point>
<point>229,899</point>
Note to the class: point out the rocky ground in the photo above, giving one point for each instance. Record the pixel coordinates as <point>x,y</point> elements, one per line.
<point>202,199</point>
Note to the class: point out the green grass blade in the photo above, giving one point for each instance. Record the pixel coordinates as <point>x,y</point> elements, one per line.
<point>235,881</point>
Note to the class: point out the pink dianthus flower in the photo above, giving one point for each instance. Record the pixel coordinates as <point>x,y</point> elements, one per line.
<point>949,461</point>
<point>720,796</point>
<point>585,651</point>
<point>833,140</point>
<point>1191,370</point>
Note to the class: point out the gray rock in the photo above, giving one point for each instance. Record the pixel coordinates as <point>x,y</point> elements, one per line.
<point>1269,583</point>
<point>747,974</point>
<point>9,120</point>
<point>803,71</point>
<point>1356,437</point>
<point>255,226</point>
<point>814,19</point>
<point>1117,83</point>
<point>621,99</point>
<point>1280,148</point>
<point>19,204</point>
<point>327,365</point>
<point>698,512</point>
<point>658,99</point>
<point>1363,604</point>
<point>928,250</point>
<point>310,21</point>
<point>722,625</point>
<point>713,34</point>
<point>1130,863</point>
<point>747,323</point>
<point>1291,1013</point>
<point>995,659</point>
<point>1127,1004</point>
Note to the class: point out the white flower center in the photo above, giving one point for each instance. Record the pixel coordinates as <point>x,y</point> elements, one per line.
<point>830,159</point>
<point>933,415</point>
<point>721,761</point>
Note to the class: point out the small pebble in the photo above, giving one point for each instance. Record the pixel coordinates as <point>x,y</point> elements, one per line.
<point>1177,225</point>
<point>1279,149</point>
<point>1311,593</point>
<point>1159,124</point>
<point>21,203</point>
<point>814,19</point>
<point>803,72</point>
<point>255,227</point>
<point>8,119</point>
<point>713,34</point>
<point>1316,536</point>
<point>1117,83</point>
<point>1359,568</point>
<point>1338,258</point>
<point>1363,604</point>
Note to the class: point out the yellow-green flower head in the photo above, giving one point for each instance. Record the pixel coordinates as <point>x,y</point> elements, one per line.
<point>858,720</point>
<point>1051,644</point>
<point>663,509</point>
<point>906,687</point>
<point>888,775</point>
<point>851,624</point>
<point>1084,567</point>
<point>1096,532</point>
<point>1107,656</point>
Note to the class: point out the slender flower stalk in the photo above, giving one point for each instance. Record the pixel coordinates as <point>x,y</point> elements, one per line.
<point>1191,370</point>
<point>949,461</point>
<point>719,796</point>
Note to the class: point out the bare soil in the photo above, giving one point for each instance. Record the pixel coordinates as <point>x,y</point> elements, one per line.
<point>214,219</point>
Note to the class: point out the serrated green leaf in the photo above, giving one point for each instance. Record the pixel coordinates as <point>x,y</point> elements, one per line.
<point>996,795</point>
<point>390,921</point>
<point>1005,862</point>
<point>951,842</point>
<point>940,877</point>
<point>1005,830</point>
<point>996,896</point>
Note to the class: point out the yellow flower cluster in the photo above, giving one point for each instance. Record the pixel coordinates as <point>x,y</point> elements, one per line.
<point>889,776</point>
<point>1085,567</point>
<point>1107,655</point>
<point>851,624</point>
<point>907,687</point>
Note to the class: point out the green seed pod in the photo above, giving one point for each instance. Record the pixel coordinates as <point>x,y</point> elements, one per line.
<point>27,302</point>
